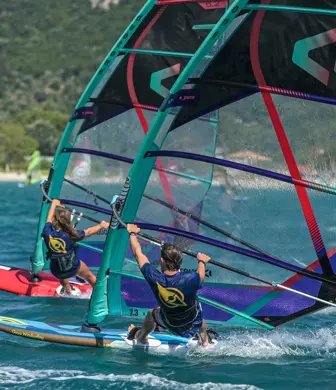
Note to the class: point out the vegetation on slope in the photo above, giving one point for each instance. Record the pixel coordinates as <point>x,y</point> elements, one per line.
<point>49,51</point>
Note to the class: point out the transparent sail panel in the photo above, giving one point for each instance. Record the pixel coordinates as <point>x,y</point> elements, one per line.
<point>99,164</point>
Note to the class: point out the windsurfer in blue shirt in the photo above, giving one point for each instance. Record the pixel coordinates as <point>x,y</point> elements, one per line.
<point>179,312</point>
<point>60,238</point>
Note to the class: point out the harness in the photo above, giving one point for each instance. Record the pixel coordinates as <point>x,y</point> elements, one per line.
<point>183,319</point>
<point>54,256</point>
<point>65,262</point>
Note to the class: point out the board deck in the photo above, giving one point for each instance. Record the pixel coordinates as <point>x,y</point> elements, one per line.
<point>114,338</point>
<point>18,281</point>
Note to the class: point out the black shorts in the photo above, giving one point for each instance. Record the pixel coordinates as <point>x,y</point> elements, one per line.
<point>64,267</point>
<point>186,331</point>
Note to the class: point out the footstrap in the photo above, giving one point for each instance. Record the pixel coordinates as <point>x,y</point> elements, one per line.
<point>132,333</point>
<point>212,335</point>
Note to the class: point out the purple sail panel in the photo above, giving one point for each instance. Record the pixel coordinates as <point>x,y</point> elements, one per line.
<point>287,303</point>
<point>273,302</point>
<point>90,257</point>
<point>93,259</point>
<point>137,293</point>
<point>238,298</point>
<point>210,313</point>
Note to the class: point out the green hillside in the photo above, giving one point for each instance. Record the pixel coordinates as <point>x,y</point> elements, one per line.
<point>49,51</point>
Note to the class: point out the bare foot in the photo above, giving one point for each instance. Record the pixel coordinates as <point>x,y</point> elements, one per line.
<point>66,291</point>
<point>204,340</point>
<point>130,328</point>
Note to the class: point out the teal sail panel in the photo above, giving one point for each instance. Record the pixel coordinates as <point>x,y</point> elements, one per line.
<point>33,174</point>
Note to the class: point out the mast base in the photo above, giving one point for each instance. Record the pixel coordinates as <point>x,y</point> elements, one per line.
<point>90,328</point>
<point>35,278</point>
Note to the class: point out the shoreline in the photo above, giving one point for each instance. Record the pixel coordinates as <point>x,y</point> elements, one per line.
<point>243,180</point>
<point>12,176</point>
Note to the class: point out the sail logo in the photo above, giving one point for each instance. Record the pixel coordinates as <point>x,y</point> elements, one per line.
<point>214,4</point>
<point>57,245</point>
<point>208,272</point>
<point>161,75</point>
<point>12,321</point>
<point>84,113</point>
<point>170,296</point>
<point>304,47</point>
<point>187,97</point>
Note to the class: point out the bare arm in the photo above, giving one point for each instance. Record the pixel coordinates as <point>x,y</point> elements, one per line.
<point>95,229</point>
<point>54,204</point>
<point>135,245</point>
<point>202,260</point>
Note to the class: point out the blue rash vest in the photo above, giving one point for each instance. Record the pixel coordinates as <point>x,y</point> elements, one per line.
<point>177,297</point>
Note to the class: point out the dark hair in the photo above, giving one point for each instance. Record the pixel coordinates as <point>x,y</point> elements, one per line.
<point>172,256</point>
<point>62,219</point>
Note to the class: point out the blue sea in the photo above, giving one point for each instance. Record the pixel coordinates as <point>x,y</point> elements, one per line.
<point>300,355</point>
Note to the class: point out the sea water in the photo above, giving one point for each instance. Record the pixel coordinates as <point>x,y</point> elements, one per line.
<point>300,355</point>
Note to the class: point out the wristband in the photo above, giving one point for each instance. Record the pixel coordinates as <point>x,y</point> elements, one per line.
<point>201,261</point>
<point>132,234</point>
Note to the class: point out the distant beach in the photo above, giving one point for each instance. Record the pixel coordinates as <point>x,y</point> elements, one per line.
<point>12,176</point>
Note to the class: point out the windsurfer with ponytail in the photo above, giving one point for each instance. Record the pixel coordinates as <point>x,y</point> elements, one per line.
<point>179,312</point>
<point>60,238</point>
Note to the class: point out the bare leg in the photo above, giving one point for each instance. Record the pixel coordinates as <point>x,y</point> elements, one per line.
<point>204,340</point>
<point>66,286</point>
<point>147,327</point>
<point>86,274</point>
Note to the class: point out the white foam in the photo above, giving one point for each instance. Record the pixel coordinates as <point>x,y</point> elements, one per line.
<point>17,375</point>
<point>328,311</point>
<point>278,343</point>
<point>331,229</point>
<point>85,295</point>
<point>147,381</point>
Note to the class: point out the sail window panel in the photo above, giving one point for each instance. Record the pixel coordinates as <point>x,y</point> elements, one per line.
<point>170,27</point>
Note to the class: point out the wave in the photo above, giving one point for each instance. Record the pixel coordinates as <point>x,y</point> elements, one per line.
<point>16,375</point>
<point>304,342</point>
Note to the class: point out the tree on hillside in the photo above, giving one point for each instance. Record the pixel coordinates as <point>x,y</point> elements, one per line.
<point>15,144</point>
<point>45,126</point>
<point>55,118</point>
<point>46,135</point>
<point>50,57</point>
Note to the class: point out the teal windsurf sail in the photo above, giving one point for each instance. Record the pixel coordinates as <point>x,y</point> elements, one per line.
<point>186,80</point>
<point>33,173</point>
